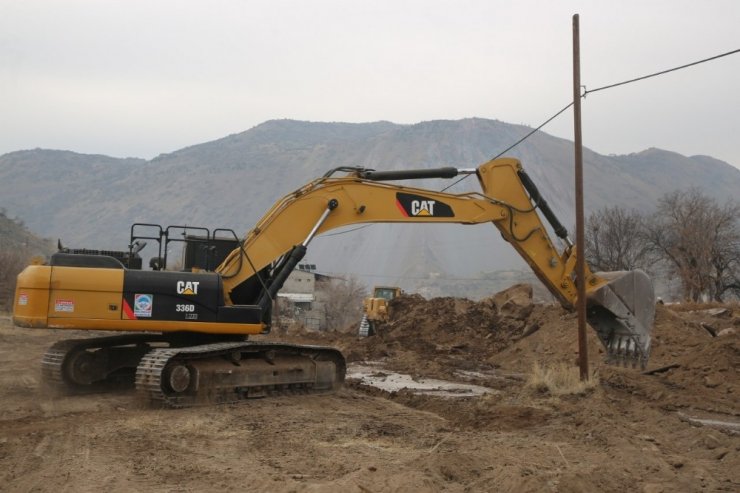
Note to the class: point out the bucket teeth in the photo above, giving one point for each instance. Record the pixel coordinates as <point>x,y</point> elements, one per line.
<point>626,351</point>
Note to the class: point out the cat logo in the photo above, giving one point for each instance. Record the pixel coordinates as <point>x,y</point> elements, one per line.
<point>412,205</point>
<point>422,207</point>
<point>187,287</point>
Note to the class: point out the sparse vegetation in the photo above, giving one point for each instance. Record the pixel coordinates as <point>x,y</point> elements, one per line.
<point>699,241</point>
<point>343,303</point>
<point>690,240</point>
<point>17,247</point>
<point>11,263</point>
<point>560,379</point>
<point>615,240</point>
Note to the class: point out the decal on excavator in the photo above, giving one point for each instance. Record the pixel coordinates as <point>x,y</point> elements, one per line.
<point>128,313</point>
<point>412,205</point>
<point>143,304</point>
<point>187,287</point>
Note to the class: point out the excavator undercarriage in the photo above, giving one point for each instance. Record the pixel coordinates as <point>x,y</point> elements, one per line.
<point>183,376</point>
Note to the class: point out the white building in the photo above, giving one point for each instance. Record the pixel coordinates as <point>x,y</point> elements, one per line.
<point>300,299</point>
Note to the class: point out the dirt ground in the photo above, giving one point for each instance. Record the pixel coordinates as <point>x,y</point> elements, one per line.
<point>674,430</point>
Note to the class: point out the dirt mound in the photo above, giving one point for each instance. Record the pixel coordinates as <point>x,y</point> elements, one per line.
<point>433,336</point>
<point>445,322</point>
<point>694,368</point>
<point>443,336</point>
<point>495,342</point>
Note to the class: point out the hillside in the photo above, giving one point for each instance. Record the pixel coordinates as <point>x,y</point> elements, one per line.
<point>15,237</point>
<point>17,246</point>
<point>90,201</point>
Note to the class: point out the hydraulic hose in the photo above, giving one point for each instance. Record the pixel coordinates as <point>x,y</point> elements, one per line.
<point>540,202</point>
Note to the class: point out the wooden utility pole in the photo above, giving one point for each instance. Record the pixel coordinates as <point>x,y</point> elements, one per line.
<point>580,243</point>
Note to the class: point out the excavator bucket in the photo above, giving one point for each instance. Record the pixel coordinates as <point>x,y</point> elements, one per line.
<point>622,312</point>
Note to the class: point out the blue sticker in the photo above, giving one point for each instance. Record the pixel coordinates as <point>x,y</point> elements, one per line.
<point>143,304</point>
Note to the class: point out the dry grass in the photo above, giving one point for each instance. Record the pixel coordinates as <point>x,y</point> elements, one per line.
<point>560,379</point>
<point>11,263</point>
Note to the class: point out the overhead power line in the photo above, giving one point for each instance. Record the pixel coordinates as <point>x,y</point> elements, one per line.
<point>349,230</point>
<point>611,86</point>
<point>413,278</point>
<point>602,88</point>
<point>561,111</point>
<point>662,72</point>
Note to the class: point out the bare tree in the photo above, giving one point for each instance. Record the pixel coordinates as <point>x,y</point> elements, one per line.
<point>699,240</point>
<point>615,240</point>
<point>725,254</point>
<point>343,306</point>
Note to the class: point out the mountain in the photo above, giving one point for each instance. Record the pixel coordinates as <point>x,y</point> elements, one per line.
<point>90,201</point>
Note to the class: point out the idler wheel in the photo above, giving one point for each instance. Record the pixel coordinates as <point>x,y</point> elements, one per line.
<point>81,367</point>
<point>178,378</point>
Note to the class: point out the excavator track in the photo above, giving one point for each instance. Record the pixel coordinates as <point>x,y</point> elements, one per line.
<point>90,365</point>
<point>51,364</point>
<point>230,372</point>
<point>174,376</point>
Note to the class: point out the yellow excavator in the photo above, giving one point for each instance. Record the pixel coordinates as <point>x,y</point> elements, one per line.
<point>185,339</point>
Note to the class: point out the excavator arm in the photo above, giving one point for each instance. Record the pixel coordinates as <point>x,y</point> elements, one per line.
<point>620,305</point>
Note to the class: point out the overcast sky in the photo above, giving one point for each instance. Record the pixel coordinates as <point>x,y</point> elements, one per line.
<point>141,78</point>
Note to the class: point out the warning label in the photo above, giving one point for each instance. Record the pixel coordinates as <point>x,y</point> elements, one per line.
<point>67,306</point>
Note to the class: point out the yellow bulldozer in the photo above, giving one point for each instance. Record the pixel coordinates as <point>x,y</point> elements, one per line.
<point>375,308</point>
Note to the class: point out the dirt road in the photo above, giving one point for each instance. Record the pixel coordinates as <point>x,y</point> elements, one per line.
<point>629,432</point>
